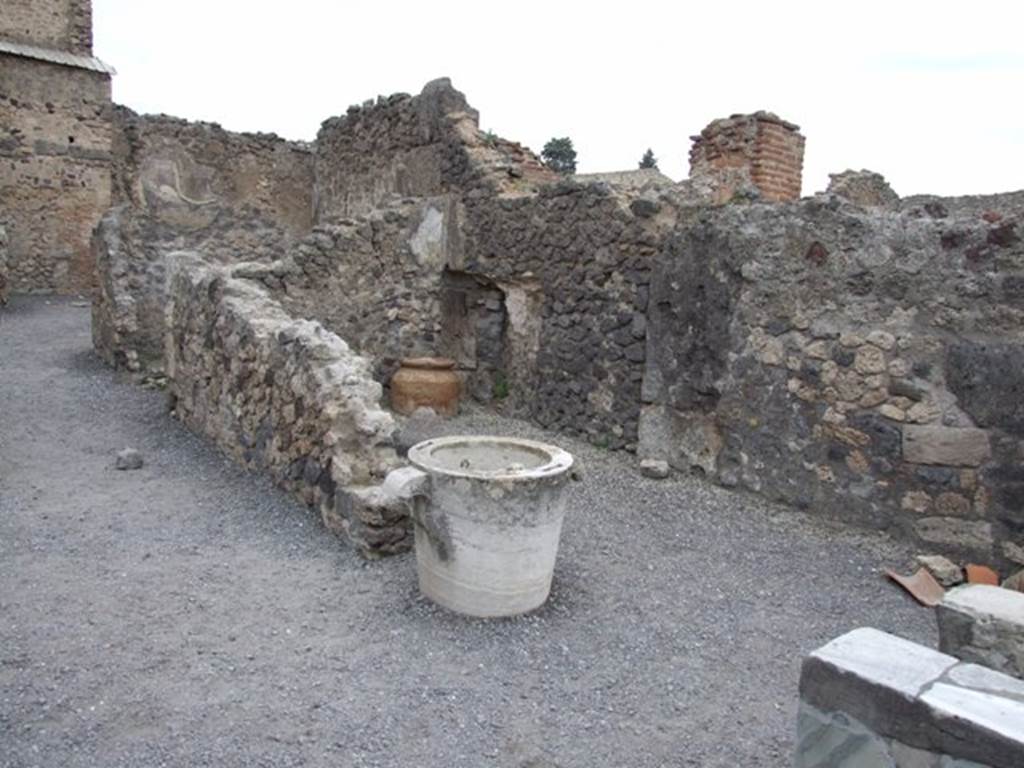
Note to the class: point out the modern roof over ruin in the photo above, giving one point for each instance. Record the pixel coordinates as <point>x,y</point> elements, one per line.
<point>632,179</point>
<point>56,57</point>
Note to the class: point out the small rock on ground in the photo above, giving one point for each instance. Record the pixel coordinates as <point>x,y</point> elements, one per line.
<point>129,458</point>
<point>945,571</point>
<point>655,468</point>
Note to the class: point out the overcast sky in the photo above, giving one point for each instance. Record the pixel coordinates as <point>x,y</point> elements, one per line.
<point>931,94</point>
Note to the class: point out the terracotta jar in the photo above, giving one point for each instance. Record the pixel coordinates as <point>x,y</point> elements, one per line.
<point>426,382</point>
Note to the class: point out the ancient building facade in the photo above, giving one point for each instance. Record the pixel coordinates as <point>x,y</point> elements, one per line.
<point>55,137</point>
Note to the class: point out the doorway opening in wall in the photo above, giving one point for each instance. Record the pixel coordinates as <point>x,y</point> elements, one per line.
<point>473,324</point>
<point>492,330</point>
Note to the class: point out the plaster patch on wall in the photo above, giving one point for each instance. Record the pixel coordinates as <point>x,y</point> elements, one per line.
<point>427,243</point>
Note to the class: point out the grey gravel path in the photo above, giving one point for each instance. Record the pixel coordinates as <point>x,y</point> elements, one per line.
<point>189,614</point>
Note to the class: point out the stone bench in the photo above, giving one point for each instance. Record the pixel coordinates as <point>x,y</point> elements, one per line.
<point>984,624</point>
<point>872,700</point>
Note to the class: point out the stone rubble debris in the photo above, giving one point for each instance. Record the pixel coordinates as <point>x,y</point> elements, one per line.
<point>945,571</point>
<point>656,469</point>
<point>129,458</point>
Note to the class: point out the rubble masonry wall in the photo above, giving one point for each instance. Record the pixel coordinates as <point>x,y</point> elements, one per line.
<point>279,394</point>
<point>860,363</point>
<point>181,185</point>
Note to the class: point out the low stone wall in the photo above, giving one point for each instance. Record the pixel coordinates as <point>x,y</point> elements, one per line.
<point>374,280</point>
<point>871,699</point>
<point>862,363</point>
<point>284,396</point>
<point>181,185</point>
<point>984,624</point>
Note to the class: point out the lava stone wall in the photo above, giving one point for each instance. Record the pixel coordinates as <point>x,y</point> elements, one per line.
<point>392,147</point>
<point>55,138</point>
<point>590,256</point>
<point>182,185</point>
<point>541,299</point>
<point>374,280</point>
<point>863,363</point>
<point>419,146</point>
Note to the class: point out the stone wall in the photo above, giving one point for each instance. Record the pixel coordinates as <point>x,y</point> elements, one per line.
<point>375,280</point>
<point>861,363</point>
<point>537,289</point>
<point>5,286</point>
<point>851,354</point>
<point>55,137</point>
<point>282,395</point>
<point>64,25</point>
<point>573,265</point>
<point>759,150</point>
<point>540,299</point>
<point>985,625</point>
<point>872,699</point>
<point>413,146</point>
<point>181,185</point>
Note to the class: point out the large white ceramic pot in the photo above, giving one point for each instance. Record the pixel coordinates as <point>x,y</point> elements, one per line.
<point>488,514</point>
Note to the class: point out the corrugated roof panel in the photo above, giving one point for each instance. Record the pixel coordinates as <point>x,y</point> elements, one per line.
<point>56,57</point>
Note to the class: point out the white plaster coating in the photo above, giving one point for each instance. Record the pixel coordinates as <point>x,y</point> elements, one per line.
<point>984,679</point>
<point>927,709</point>
<point>488,522</point>
<point>427,243</point>
<point>996,602</point>
<point>870,654</point>
<point>996,713</point>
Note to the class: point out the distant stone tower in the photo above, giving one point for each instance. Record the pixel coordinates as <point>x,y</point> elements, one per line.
<point>60,25</point>
<point>55,137</point>
<point>742,151</point>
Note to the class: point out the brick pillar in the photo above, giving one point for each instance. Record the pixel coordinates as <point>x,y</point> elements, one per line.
<point>759,150</point>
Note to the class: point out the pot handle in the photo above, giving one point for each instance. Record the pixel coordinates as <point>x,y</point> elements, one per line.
<point>413,486</point>
<point>407,483</point>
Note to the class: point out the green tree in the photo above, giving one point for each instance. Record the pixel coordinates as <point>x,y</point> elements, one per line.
<point>559,155</point>
<point>649,160</point>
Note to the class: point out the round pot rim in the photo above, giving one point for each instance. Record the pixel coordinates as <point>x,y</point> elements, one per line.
<point>428,363</point>
<point>559,461</point>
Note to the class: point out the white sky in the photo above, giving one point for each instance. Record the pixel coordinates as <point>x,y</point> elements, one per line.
<point>930,94</point>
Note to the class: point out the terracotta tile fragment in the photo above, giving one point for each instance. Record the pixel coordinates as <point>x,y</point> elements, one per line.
<point>981,574</point>
<point>922,586</point>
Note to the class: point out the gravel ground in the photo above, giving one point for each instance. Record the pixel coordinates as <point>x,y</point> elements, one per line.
<point>190,614</point>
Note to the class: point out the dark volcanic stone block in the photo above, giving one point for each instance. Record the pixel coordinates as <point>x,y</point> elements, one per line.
<point>988,380</point>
